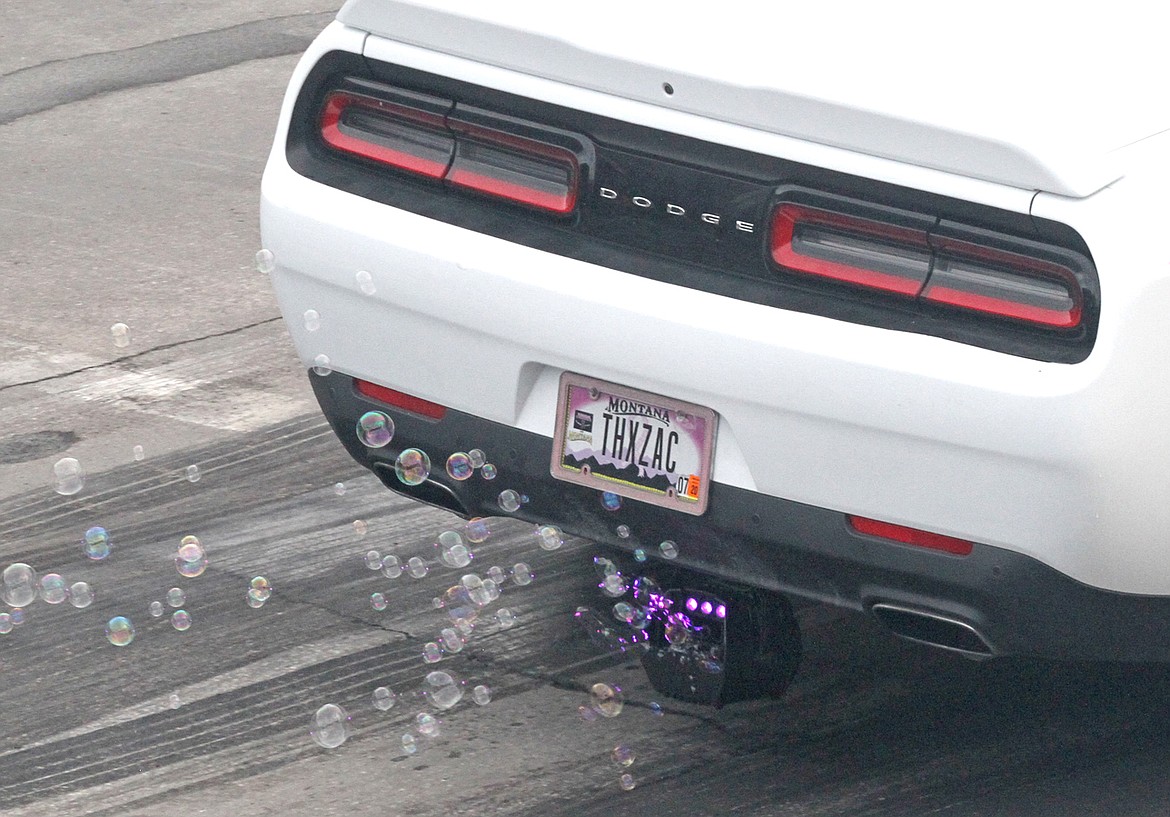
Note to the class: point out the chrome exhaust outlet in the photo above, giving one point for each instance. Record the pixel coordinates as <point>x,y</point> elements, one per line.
<point>933,630</point>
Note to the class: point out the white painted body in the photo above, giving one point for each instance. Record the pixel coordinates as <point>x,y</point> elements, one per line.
<point>1066,463</point>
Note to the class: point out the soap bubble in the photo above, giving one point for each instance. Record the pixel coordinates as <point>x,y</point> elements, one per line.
<point>450,640</point>
<point>476,591</point>
<point>322,366</point>
<point>383,698</point>
<point>639,555</point>
<point>432,652</point>
<point>622,755</point>
<point>373,560</point>
<point>477,458</point>
<point>339,488</point>
<point>119,631</point>
<point>416,567</point>
<point>6,624</point>
<point>312,320</point>
<point>191,558</point>
<point>506,618</point>
<point>427,725</point>
<point>360,527</point>
<point>176,597</point>
<point>139,453</point>
<point>452,551</point>
<point>668,549</point>
<point>365,282</point>
<point>391,567</point>
<point>656,708</point>
<point>181,620</point>
<point>488,471</point>
<point>625,612</point>
<point>509,501</point>
<point>173,700</point>
<point>610,501</point>
<point>80,595</point>
<point>409,744</point>
<point>121,335</point>
<point>412,466</point>
<point>623,531</point>
<point>459,466</point>
<point>375,429</point>
<point>442,689</point>
<point>97,543</point>
<point>482,694</point>
<point>614,585</point>
<point>20,585</point>
<point>265,261</point>
<point>587,713</point>
<point>549,537</point>
<point>521,573</point>
<point>54,590</point>
<point>607,699</point>
<point>156,609</point>
<point>626,781</point>
<point>330,726</point>
<point>193,473</point>
<point>477,530</point>
<point>260,589</point>
<point>69,476</point>
<point>497,574</point>
<point>378,601</point>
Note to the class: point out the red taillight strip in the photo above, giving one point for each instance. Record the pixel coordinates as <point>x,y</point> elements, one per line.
<point>910,536</point>
<point>397,399</point>
<point>422,124</point>
<point>561,201</point>
<point>907,248</point>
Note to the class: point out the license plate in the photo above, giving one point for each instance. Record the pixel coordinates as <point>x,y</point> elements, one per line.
<point>632,443</point>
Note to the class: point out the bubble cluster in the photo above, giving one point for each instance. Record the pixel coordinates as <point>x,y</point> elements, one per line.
<point>20,585</point>
<point>181,620</point>
<point>378,601</point>
<point>442,690</point>
<point>606,699</point>
<point>191,558</point>
<point>119,631</point>
<point>322,366</point>
<point>668,549</point>
<point>312,320</point>
<point>193,474</point>
<point>121,334</point>
<point>176,597</point>
<point>330,726</point>
<point>509,501</point>
<point>375,429</point>
<point>412,466</point>
<point>69,476</point>
<point>265,261</point>
<point>610,501</point>
<point>80,595</point>
<point>383,698</point>
<point>365,282</point>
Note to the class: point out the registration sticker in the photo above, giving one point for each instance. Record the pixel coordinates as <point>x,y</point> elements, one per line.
<point>640,445</point>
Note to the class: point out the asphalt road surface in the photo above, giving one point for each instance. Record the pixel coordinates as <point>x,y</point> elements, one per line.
<point>132,136</point>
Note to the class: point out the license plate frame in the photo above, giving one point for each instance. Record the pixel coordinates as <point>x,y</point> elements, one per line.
<point>663,423</point>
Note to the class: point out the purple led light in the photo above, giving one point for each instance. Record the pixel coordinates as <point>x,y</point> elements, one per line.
<point>706,608</point>
<point>692,604</point>
<point>721,611</point>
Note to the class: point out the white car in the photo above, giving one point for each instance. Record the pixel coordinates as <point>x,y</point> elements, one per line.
<point>834,302</point>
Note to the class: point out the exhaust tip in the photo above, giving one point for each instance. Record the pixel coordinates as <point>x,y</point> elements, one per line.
<point>933,629</point>
<point>428,491</point>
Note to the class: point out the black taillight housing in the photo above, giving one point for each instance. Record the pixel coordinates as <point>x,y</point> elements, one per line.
<point>938,263</point>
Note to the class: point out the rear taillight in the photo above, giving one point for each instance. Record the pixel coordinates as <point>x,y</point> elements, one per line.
<point>400,400</point>
<point>470,150</point>
<point>910,536</point>
<point>984,273</point>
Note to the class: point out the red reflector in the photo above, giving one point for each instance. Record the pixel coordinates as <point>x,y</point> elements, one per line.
<point>850,249</point>
<point>388,133</point>
<point>406,402</point>
<point>910,536</point>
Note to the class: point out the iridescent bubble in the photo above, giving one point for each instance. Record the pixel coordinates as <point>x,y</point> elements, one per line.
<point>549,537</point>
<point>139,453</point>
<point>668,549</point>
<point>409,744</point>
<point>497,574</point>
<point>176,597</point>
<point>18,616</point>
<point>193,473</point>
<point>255,600</point>
<point>458,604</point>
<point>491,589</point>
<point>676,633</point>
<point>459,466</point>
<point>360,527</point>
<point>384,698</point>
<point>330,726</point>
<point>622,755</point>
<point>191,558</point>
<point>156,609</point>
<point>69,476</point>
<point>265,261</point>
<point>450,640</point>
<point>412,466</point>
<point>416,567</point>
<point>432,652</point>
<point>465,627</point>
<point>174,701</point>
<point>506,618</point>
<point>54,590</point>
<point>20,585</point>
<point>476,591</point>
<point>322,366</point>
<point>375,429</point>
<point>626,781</point>
<point>482,695</point>
<point>378,601</point>
<point>604,567</point>
<point>624,612</point>
<point>477,458</point>
<point>181,620</point>
<point>80,595</point>
<point>614,585</point>
<point>365,282</point>
<point>610,501</point>
<point>6,625</point>
<point>312,319</point>
<point>339,488</point>
<point>521,574</point>
<point>260,588</point>
<point>655,708</point>
<point>488,471</point>
<point>119,631</point>
<point>97,543</point>
<point>623,531</point>
<point>586,713</point>
<point>639,555</point>
<point>442,689</point>
<point>477,530</point>
<point>373,560</point>
<point>121,335</point>
<point>508,500</point>
<point>391,567</point>
<point>452,551</point>
<point>427,725</point>
<point>607,699</point>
